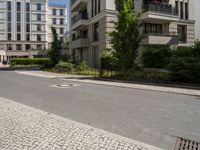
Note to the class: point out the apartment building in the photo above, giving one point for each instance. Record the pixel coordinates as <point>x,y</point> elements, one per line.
<point>165,22</point>
<point>197,18</point>
<point>25,27</point>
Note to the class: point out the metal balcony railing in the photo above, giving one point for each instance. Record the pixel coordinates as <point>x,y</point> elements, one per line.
<point>160,8</point>
<point>76,18</point>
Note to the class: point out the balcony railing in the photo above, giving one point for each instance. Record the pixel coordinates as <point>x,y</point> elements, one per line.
<point>161,8</point>
<point>80,16</point>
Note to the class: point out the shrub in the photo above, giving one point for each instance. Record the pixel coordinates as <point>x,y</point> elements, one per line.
<point>29,61</point>
<point>156,56</point>
<point>109,61</point>
<point>64,67</point>
<point>82,66</point>
<point>185,64</point>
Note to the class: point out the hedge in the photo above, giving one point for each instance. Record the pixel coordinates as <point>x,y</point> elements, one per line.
<point>29,61</point>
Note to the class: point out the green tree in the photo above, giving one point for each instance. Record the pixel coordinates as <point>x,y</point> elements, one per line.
<point>126,36</point>
<point>56,47</point>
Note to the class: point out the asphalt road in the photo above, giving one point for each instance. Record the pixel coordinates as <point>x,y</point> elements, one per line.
<point>151,117</point>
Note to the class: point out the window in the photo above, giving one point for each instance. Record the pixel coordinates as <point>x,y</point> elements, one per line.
<point>186,11</point>
<point>182,32</point>
<point>61,30</point>
<point>61,21</point>
<point>27,27</point>
<point>39,38</point>
<point>61,12</point>
<point>18,27</point>
<point>9,16</point>
<point>28,47</point>
<point>9,47</point>
<point>181,9</point>
<point>18,6</point>
<point>39,17</point>
<point>39,46</point>
<point>54,20</point>
<point>27,7</point>
<point>96,32</point>
<point>19,47</point>
<point>153,28</point>
<point>27,37</point>
<point>27,17</point>
<point>18,17</point>
<point>39,28</point>
<point>53,11</point>
<point>9,26</point>
<point>96,7</point>
<point>18,36</point>
<point>176,7</point>
<point>9,7</point>
<point>9,36</point>
<point>39,6</point>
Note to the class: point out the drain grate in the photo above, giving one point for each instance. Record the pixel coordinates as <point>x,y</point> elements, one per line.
<point>184,144</point>
<point>65,85</point>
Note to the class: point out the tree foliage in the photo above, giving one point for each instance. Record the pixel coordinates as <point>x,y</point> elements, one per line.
<point>126,36</point>
<point>56,47</point>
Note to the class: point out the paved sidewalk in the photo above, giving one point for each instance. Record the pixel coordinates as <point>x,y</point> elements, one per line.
<point>85,79</point>
<point>25,128</point>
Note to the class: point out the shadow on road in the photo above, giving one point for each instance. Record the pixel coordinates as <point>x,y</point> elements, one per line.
<point>19,68</point>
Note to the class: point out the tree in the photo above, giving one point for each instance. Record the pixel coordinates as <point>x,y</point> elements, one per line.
<point>56,47</point>
<point>126,36</point>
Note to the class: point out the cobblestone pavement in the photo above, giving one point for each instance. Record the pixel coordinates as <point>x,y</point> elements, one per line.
<point>25,128</point>
<point>73,78</point>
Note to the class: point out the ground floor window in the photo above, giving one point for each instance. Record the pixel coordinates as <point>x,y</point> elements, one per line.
<point>182,32</point>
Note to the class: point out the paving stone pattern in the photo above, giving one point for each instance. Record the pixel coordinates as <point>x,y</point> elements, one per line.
<point>25,128</point>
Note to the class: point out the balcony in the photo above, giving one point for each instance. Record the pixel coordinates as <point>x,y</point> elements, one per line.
<point>79,20</point>
<point>80,43</point>
<point>78,4</point>
<point>161,39</point>
<point>162,13</point>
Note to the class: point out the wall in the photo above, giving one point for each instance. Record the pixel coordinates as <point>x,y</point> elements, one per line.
<point>197,18</point>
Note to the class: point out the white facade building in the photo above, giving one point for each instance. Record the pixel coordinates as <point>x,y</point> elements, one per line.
<point>24,27</point>
<point>165,22</point>
<point>197,18</point>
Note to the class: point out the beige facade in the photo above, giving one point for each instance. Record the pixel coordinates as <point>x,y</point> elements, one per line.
<point>24,27</point>
<point>164,23</point>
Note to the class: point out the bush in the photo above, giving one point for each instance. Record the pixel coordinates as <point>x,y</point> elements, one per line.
<point>109,61</point>
<point>29,61</point>
<point>82,66</point>
<point>185,64</point>
<point>156,56</point>
<point>64,67</point>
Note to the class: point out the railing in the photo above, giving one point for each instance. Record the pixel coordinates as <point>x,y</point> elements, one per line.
<point>161,8</point>
<point>78,38</point>
<point>83,15</point>
<point>160,34</point>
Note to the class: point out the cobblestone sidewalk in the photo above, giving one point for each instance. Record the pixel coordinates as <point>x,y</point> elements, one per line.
<point>25,128</point>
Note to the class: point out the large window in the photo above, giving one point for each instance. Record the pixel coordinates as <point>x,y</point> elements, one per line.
<point>27,27</point>
<point>18,36</point>
<point>18,17</point>
<point>9,36</point>
<point>153,28</point>
<point>53,11</point>
<point>182,32</point>
<point>27,17</point>
<point>28,37</point>
<point>61,21</point>
<point>18,27</point>
<point>61,12</point>
<point>186,11</point>
<point>18,6</point>
<point>61,30</point>
<point>28,47</point>
<point>181,10</point>
<point>39,17</point>
<point>96,7</point>
<point>9,6</point>
<point>9,26</point>
<point>96,32</point>
<point>39,28</point>
<point>19,47</point>
<point>39,6</point>
<point>39,38</point>
<point>54,20</point>
<point>9,47</point>
<point>27,7</point>
<point>9,17</point>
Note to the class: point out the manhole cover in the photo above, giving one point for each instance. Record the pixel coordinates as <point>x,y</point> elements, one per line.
<point>65,85</point>
<point>184,144</point>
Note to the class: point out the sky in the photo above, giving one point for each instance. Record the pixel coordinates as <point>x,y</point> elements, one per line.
<point>66,2</point>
